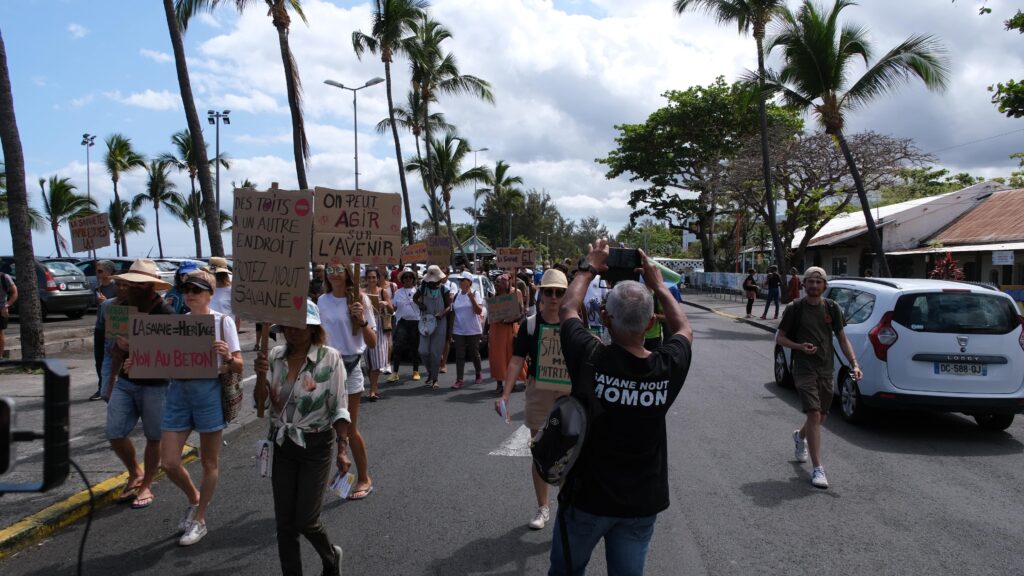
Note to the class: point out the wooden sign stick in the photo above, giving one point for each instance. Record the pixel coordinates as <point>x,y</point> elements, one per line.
<point>262,384</point>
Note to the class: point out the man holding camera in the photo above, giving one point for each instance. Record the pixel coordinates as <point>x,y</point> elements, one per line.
<point>620,482</point>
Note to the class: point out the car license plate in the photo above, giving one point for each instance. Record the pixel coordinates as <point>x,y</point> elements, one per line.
<point>76,286</point>
<point>959,369</point>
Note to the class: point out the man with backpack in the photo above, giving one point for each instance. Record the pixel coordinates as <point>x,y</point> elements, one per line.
<point>807,327</point>
<point>8,296</point>
<point>619,483</point>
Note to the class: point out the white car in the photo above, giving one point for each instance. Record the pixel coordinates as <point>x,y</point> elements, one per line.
<point>927,344</point>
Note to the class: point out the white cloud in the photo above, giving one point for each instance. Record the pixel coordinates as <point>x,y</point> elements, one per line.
<point>82,101</point>
<point>149,99</point>
<point>156,56</point>
<point>208,19</point>
<point>77,31</point>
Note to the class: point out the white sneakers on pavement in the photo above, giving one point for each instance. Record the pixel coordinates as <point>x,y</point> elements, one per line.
<point>190,514</point>
<point>196,531</point>
<point>799,447</point>
<point>818,479</point>
<point>541,518</point>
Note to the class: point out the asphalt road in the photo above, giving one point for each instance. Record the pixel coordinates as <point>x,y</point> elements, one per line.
<point>911,493</point>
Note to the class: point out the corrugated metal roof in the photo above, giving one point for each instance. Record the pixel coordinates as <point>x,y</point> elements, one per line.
<point>1000,218</point>
<point>961,248</point>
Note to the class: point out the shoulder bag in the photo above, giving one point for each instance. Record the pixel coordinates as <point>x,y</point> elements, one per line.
<point>230,389</point>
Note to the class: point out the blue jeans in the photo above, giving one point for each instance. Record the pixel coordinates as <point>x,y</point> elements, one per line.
<point>774,295</point>
<point>626,541</point>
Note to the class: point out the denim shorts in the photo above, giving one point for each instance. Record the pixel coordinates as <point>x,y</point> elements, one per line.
<point>128,403</point>
<point>193,405</point>
<point>354,382</point>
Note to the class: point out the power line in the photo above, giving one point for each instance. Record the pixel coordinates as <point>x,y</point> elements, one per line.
<point>976,141</point>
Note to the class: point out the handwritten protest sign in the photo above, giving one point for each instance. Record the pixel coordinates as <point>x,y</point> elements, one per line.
<point>509,258</point>
<point>439,250</point>
<point>416,252</point>
<point>504,308</point>
<point>172,346</point>
<point>90,232</point>
<point>270,242</point>
<point>357,226</point>
<point>115,320</point>
<point>552,373</point>
<point>528,257</point>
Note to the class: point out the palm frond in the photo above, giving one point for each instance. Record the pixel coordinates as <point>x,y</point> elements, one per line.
<point>921,56</point>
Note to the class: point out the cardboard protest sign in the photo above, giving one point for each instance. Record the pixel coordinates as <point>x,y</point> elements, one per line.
<point>439,250</point>
<point>528,257</point>
<point>115,320</point>
<point>416,252</point>
<point>509,258</point>
<point>172,346</point>
<point>357,226</point>
<point>552,373</point>
<point>270,245</point>
<point>504,308</point>
<point>90,232</point>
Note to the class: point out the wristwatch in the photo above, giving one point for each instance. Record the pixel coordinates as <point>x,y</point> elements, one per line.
<point>584,266</point>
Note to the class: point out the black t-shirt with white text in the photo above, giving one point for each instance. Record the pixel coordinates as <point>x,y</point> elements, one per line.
<point>623,468</point>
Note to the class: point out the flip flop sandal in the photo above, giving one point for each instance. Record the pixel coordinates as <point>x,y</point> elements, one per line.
<point>130,491</point>
<point>373,397</point>
<point>434,385</point>
<point>140,503</point>
<point>360,494</point>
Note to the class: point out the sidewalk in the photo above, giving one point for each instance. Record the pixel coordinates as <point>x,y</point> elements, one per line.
<point>26,518</point>
<point>733,306</point>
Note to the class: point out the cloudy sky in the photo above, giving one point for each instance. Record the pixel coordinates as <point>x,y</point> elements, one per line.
<point>564,72</point>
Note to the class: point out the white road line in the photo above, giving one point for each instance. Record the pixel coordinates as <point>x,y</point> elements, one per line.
<point>248,378</point>
<point>30,453</point>
<point>518,444</point>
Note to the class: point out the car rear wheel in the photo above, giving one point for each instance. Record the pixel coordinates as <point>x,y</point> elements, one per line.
<point>75,315</point>
<point>782,376</point>
<point>851,405</point>
<point>994,422</point>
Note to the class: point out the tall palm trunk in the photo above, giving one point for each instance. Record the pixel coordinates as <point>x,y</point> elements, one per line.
<point>766,167</point>
<point>196,132</point>
<point>195,220</point>
<point>120,232</point>
<point>398,149</point>
<point>298,130</point>
<point>876,240</point>
<point>428,173</point>
<point>159,242</point>
<point>30,318</point>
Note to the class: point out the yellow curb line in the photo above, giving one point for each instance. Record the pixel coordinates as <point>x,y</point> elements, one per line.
<point>44,523</point>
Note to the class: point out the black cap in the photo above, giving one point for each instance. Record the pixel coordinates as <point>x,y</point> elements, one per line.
<point>200,282</point>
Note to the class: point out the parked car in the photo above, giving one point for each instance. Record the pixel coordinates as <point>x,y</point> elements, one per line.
<point>88,267</point>
<point>929,345</point>
<point>62,287</point>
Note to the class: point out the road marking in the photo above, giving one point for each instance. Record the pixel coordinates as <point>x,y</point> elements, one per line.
<point>30,453</point>
<point>246,379</point>
<point>518,444</point>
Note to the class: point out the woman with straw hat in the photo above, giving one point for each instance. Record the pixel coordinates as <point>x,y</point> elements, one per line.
<point>434,302</point>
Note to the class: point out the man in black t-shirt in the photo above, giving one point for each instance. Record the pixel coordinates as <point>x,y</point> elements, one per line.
<point>620,482</point>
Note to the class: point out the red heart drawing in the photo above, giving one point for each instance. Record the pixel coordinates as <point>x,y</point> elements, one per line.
<point>267,205</point>
<point>298,302</point>
<point>302,207</point>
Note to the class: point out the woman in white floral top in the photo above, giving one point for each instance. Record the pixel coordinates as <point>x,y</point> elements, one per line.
<point>308,411</point>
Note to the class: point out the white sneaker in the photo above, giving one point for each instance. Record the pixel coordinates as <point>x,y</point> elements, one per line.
<point>541,519</point>
<point>800,447</point>
<point>818,479</point>
<point>190,514</point>
<point>196,531</point>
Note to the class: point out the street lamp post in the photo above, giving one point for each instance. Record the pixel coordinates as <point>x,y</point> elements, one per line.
<point>89,140</point>
<point>355,113</point>
<point>476,241</point>
<point>216,118</point>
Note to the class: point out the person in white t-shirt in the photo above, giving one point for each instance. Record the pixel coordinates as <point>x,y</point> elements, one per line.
<point>597,291</point>
<point>221,302</point>
<point>405,341</point>
<point>339,312</point>
<point>467,329</point>
<point>195,404</point>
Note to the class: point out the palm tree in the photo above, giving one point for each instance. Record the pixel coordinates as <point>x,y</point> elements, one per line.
<point>177,14</point>
<point>500,193</point>
<point>185,161</point>
<point>435,73</point>
<point>35,217</point>
<point>189,209</point>
<point>751,15</point>
<point>123,221</point>
<point>29,309</point>
<point>392,21</point>
<point>818,55</point>
<point>410,117</point>
<point>121,157</point>
<point>446,167</point>
<point>159,192</point>
<point>61,205</point>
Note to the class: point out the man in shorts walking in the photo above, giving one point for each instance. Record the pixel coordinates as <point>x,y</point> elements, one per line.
<point>807,327</point>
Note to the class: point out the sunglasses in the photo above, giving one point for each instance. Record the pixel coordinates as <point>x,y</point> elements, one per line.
<point>553,292</point>
<point>189,289</point>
